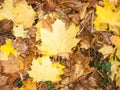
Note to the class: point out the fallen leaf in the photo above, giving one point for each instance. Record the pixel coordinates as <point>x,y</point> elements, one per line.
<point>114,1</point>
<point>115,70</point>
<point>74,4</point>
<point>3,80</point>
<point>107,16</point>
<point>50,5</point>
<point>81,67</point>
<point>11,65</point>
<point>6,87</point>
<point>92,81</point>
<point>20,45</point>
<point>28,85</point>
<point>19,31</point>
<point>116,41</point>
<point>21,63</point>
<point>114,60</point>
<point>15,88</point>
<point>75,18</point>
<point>83,10</point>
<point>89,83</point>
<point>78,71</point>
<point>5,25</point>
<point>32,32</point>
<point>60,40</point>
<point>42,69</point>
<point>118,79</point>
<point>106,50</point>
<point>23,14</point>
<point>19,12</point>
<point>6,50</point>
<point>84,44</point>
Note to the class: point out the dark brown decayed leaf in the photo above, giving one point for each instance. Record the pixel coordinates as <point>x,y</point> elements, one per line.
<point>50,5</point>
<point>32,1</point>
<point>6,25</point>
<point>74,4</point>
<point>1,1</point>
<point>75,18</point>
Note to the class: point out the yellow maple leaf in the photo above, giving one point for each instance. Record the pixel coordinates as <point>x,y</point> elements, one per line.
<point>5,12</point>
<point>20,12</point>
<point>19,31</point>
<point>6,50</point>
<point>108,15</point>
<point>115,70</point>
<point>115,64</point>
<point>118,78</point>
<point>43,69</point>
<point>116,41</point>
<point>60,40</point>
<point>28,85</point>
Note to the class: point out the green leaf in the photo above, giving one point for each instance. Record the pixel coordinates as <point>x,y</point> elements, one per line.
<point>49,85</point>
<point>51,88</point>
<point>106,66</point>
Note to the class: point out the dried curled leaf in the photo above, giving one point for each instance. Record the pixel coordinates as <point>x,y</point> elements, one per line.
<point>42,69</point>
<point>19,31</point>
<point>6,50</point>
<point>59,40</point>
<point>77,72</point>
<point>108,15</point>
<point>19,12</point>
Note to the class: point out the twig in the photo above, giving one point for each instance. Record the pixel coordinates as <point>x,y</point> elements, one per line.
<point>21,76</point>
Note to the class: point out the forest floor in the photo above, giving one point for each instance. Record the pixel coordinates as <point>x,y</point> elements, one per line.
<point>59,44</point>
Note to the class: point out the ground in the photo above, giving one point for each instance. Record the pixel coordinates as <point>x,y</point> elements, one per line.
<point>59,45</point>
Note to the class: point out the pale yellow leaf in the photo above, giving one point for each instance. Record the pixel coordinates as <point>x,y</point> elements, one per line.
<point>115,70</point>
<point>20,12</point>
<point>60,40</point>
<point>6,11</point>
<point>19,31</point>
<point>106,50</point>
<point>115,63</point>
<point>118,79</point>
<point>43,69</point>
<point>116,41</point>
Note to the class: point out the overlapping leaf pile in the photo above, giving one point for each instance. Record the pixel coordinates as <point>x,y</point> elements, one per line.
<point>59,45</point>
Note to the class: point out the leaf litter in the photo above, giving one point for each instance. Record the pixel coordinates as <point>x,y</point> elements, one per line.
<point>60,45</point>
